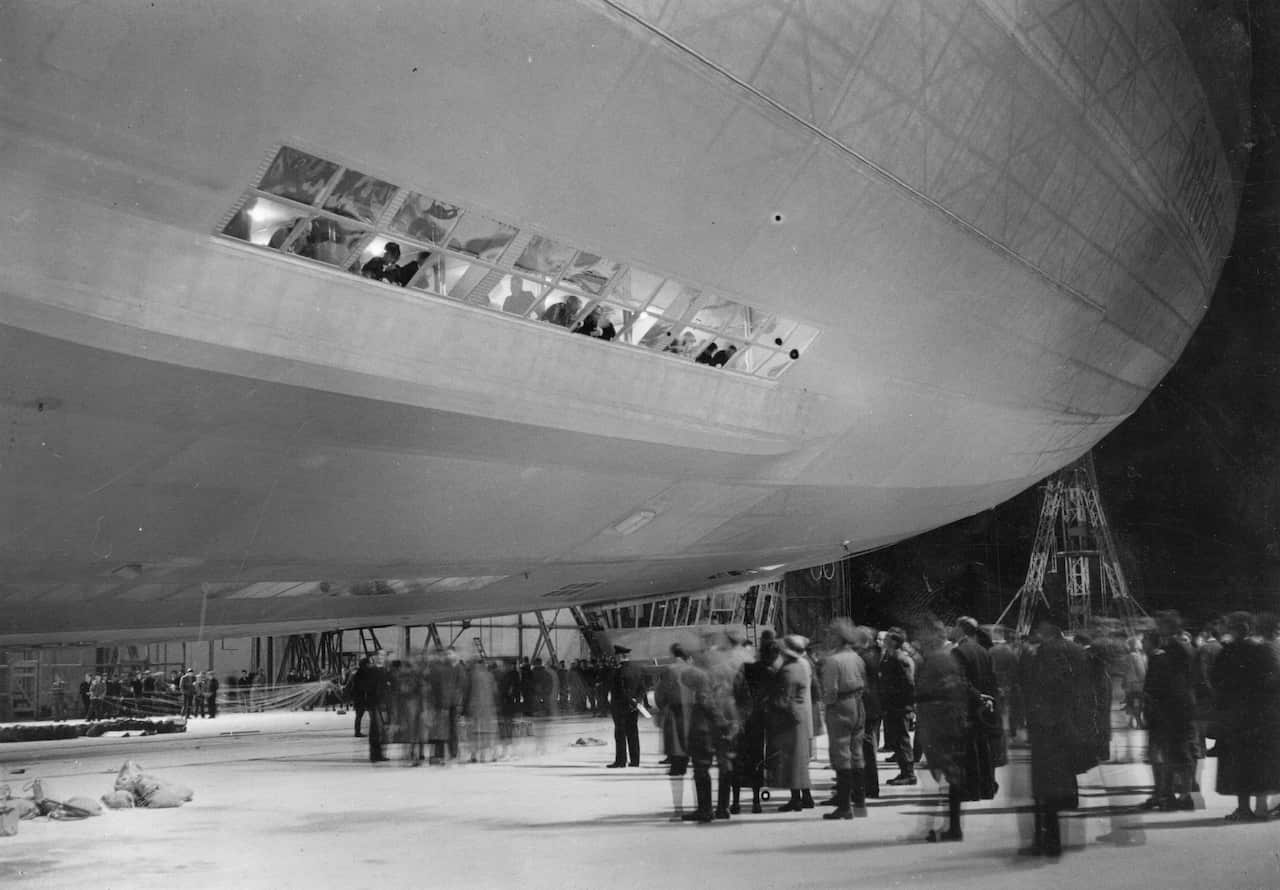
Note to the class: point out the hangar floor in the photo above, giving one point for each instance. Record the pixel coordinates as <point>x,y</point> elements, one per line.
<point>288,800</point>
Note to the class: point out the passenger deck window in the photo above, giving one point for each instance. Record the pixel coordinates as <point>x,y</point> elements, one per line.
<point>298,176</point>
<point>634,287</point>
<point>425,219</point>
<point>514,294</point>
<point>326,240</point>
<point>359,196</point>
<point>481,237</point>
<point>590,273</point>
<point>544,257</point>
<point>328,213</point>
<point>263,222</point>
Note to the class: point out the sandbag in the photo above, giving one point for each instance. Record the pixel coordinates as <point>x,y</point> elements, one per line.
<point>165,797</point>
<point>118,800</point>
<point>8,820</point>
<point>128,775</point>
<point>86,805</point>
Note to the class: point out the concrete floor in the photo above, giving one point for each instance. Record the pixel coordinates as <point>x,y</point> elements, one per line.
<point>290,801</point>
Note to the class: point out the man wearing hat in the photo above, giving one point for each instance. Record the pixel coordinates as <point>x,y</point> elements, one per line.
<point>626,689</point>
<point>794,732</point>
<point>844,682</point>
<point>984,719</point>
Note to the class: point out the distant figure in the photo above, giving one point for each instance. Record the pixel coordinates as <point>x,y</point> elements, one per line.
<point>187,686</point>
<point>723,356</point>
<point>384,268</point>
<point>85,685</point>
<point>404,274</point>
<point>375,687</point>
<point>356,689</point>
<point>1170,713</point>
<point>211,693</point>
<point>58,697</point>
<point>482,712</point>
<point>707,356</point>
<point>97,697</point>
<point>520,299</point>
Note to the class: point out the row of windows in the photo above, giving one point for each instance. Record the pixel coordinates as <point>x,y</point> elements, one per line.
<point>313,208</point>
<point>755,607</point>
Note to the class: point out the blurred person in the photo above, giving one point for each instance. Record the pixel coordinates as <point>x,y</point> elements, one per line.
<point>1004,664</point>
<point>673,702</point>
<point>944,714</point>
<point>211,694</point>
<point>844,690</point>
<point>1170,710</point>
<point>985,726</point>
<point>751,697</point>
<point>482,712</point>
<point>1058,682</point>
<point>723,663</point>
<point>898,693</point>
<point>1099,689</point>
<point>1208,647</point>
<point>85,686</point>
<point>409,682</point>
<point>356,691</point>
<point>867,649</point>
<point>794,732</point>
<point>1135,680</point>
<point>201,692</point>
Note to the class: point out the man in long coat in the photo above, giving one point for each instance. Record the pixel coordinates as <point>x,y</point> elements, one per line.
<point>1170,715</point>
<point>626,689</point>
<point>672,700</point>
<point>984,693</point>
<point>1057,685</point>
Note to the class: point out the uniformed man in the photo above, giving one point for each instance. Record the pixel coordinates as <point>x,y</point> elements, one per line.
<point>844,682</point>
<point>626,688</point>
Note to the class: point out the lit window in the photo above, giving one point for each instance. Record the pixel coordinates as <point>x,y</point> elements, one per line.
<point>297,176</point>
<point>775,365</point>
<point>689,342</point>
<point>714,313</point>
<point>263,222</point>
<point>359,196</point>
<point>750,359</point>
<point>544,257</point>
<point>513,294</point>
<point>775,332</point>
<point>603,322</point>
<point>634,287</point>
<point>425,219</point>
<point>481,237</point>
<point>325,240</point>
<point>590,273</point>
<point>445,276</point>
<point>673,300</point>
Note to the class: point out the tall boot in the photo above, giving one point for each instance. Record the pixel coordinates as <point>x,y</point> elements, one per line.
<point>735,805</point>
<point>794,805</point>
<point>755,800</point>
<point>1052,832</point>
<point>702,790</point>
<point>722,796</point>
<point>806,799</point>
<point>843,790</point>
<point>870,774</point>
<point>954,832</point>
<point>857,793</point>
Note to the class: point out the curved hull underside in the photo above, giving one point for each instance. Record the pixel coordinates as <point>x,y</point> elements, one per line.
<point>1003,226</point>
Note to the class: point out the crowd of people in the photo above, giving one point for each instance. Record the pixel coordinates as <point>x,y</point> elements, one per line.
<point>146,692</point>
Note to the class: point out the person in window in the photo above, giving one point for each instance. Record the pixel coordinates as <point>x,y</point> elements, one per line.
<point>402,275</point>
<point>681,345</point>
<point>384,268</point>
<point>722,357</point>
<point>562,313</point>
<point>708,355</point>
<point>520,300</point>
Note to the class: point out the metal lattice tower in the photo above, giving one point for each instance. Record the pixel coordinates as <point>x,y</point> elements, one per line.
<point>1073,529</point>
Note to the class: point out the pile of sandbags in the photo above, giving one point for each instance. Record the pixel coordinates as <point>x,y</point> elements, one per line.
<point>138,788</point>
<point>40,803</point>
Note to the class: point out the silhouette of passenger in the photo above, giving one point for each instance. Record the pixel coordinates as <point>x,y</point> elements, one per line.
<point>404,274</point>
<point>384,268</point>
<point>520,300</point>
<point>708,355</point>
<point>722,357</point>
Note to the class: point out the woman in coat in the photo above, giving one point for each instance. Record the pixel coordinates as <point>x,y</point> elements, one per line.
<point>1244,681</point>
<point>795,729</point>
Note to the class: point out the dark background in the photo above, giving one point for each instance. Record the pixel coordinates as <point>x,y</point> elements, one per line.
<point>1190,482</point>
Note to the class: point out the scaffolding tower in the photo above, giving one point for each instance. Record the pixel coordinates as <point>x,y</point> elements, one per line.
<point>1073,534</point>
